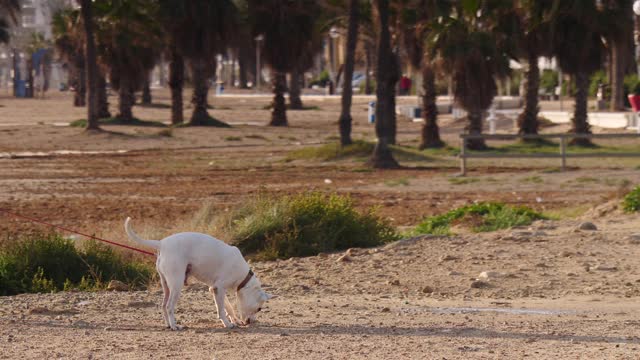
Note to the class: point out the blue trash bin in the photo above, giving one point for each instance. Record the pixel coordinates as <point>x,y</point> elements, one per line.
<point>21,91</point>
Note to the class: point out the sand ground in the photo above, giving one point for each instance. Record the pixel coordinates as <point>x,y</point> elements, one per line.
<point>550,290</point>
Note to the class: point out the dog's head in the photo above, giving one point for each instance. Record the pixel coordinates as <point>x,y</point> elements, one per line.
<point>251,298</point>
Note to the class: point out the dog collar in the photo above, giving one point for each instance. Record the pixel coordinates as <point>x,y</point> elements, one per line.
<point>246,280</point>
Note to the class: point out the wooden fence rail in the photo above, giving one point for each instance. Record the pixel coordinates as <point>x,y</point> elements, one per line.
<point>562,153</point>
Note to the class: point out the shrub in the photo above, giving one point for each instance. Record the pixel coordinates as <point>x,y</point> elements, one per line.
<point>45,263</point>
<point>480,217</point>
<point>321,80</point>
<point>631,201</point>
<point>304,225</point>
<point>549,81</point>
<point>599,77</point>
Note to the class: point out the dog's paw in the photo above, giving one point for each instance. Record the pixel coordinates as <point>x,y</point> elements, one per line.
<point>231,326</point>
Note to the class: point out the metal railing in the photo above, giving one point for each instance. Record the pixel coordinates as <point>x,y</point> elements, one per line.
<point>562,153</point>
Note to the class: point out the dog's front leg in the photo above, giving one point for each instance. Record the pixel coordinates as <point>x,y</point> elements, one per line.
<point>219,294</point>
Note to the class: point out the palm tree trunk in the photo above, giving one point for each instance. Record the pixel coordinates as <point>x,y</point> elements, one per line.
<point>579,123</point>
<point>30,91</point>
<point>347,88</point>
<point>125,101</point>
<point>295,102</point>
<point>91,65</point>
<point>617,76</point>
<point>103,103</point>
<point>474,127</point>
<point>386,77</point>
<point>176,83</point>
<point>279,112</point>
<point>200,72</point>
<point>430,131</point>
<point>146,89</point>
<point>528,120</point>
<point>367,67</point>
<point>80,96</point>
<point>242,70</point>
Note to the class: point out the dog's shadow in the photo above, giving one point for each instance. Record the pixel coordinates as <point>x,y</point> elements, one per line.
<point>354,330</point>
<point>453,332</point>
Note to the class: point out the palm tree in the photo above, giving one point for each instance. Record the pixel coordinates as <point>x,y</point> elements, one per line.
<point>69,39</point>
<point>305,62</point>
<point>387,75</point>
<point>176,60</point>
<point>416,17</point>
<point>468,47</point>
<point>4,30</point>
<point>10,10</point>
<point>578,33</point>
<point>176,84</point>
<point>290,34</point>
<point>527,21</point>
<point>199,30</point>
<point>347,89</point>
<point>91,64</point>
<point>619,33</point>
<point>128,39</point>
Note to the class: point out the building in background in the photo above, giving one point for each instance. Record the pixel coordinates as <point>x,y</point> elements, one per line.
<point>35,17</point>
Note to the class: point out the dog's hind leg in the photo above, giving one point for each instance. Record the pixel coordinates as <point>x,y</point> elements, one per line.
<point>174,277</point>
<point>174,287</point>
<point>165,298</point>
<point>220,296</point>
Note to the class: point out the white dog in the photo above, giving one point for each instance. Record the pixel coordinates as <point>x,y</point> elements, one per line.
<point>211,261</point>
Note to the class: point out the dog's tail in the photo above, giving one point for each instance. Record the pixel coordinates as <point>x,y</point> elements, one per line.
<point>134,237</point>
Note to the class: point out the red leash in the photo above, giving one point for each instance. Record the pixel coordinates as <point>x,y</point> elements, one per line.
<point>75,232</point>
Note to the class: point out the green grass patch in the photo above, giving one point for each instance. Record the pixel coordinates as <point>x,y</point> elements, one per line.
<point>256,136</point>
<point>290,138</point>
<point>305,107</point>
<point>479,217</point>
<point>49,263</point>
<point>570,212</point>
<point>586,180</point>
<point>533,179</point>
<point>270,227</point>
<point>333,151</point>
<point>551,170</point>
<point>443,151</point>
<point>621,183</point>
<point>359,149</point>
<point>210,121</point>
<point>462,180</point>
<point>631,201</point>
<point>154,105</point>
<point>397,182</point>
<point>549,147</point>
<point>82,123</point>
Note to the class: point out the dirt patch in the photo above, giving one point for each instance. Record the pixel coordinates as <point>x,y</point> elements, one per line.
<point>552,291</point>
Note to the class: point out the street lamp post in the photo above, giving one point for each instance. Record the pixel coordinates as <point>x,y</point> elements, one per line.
<point>258,39</point>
